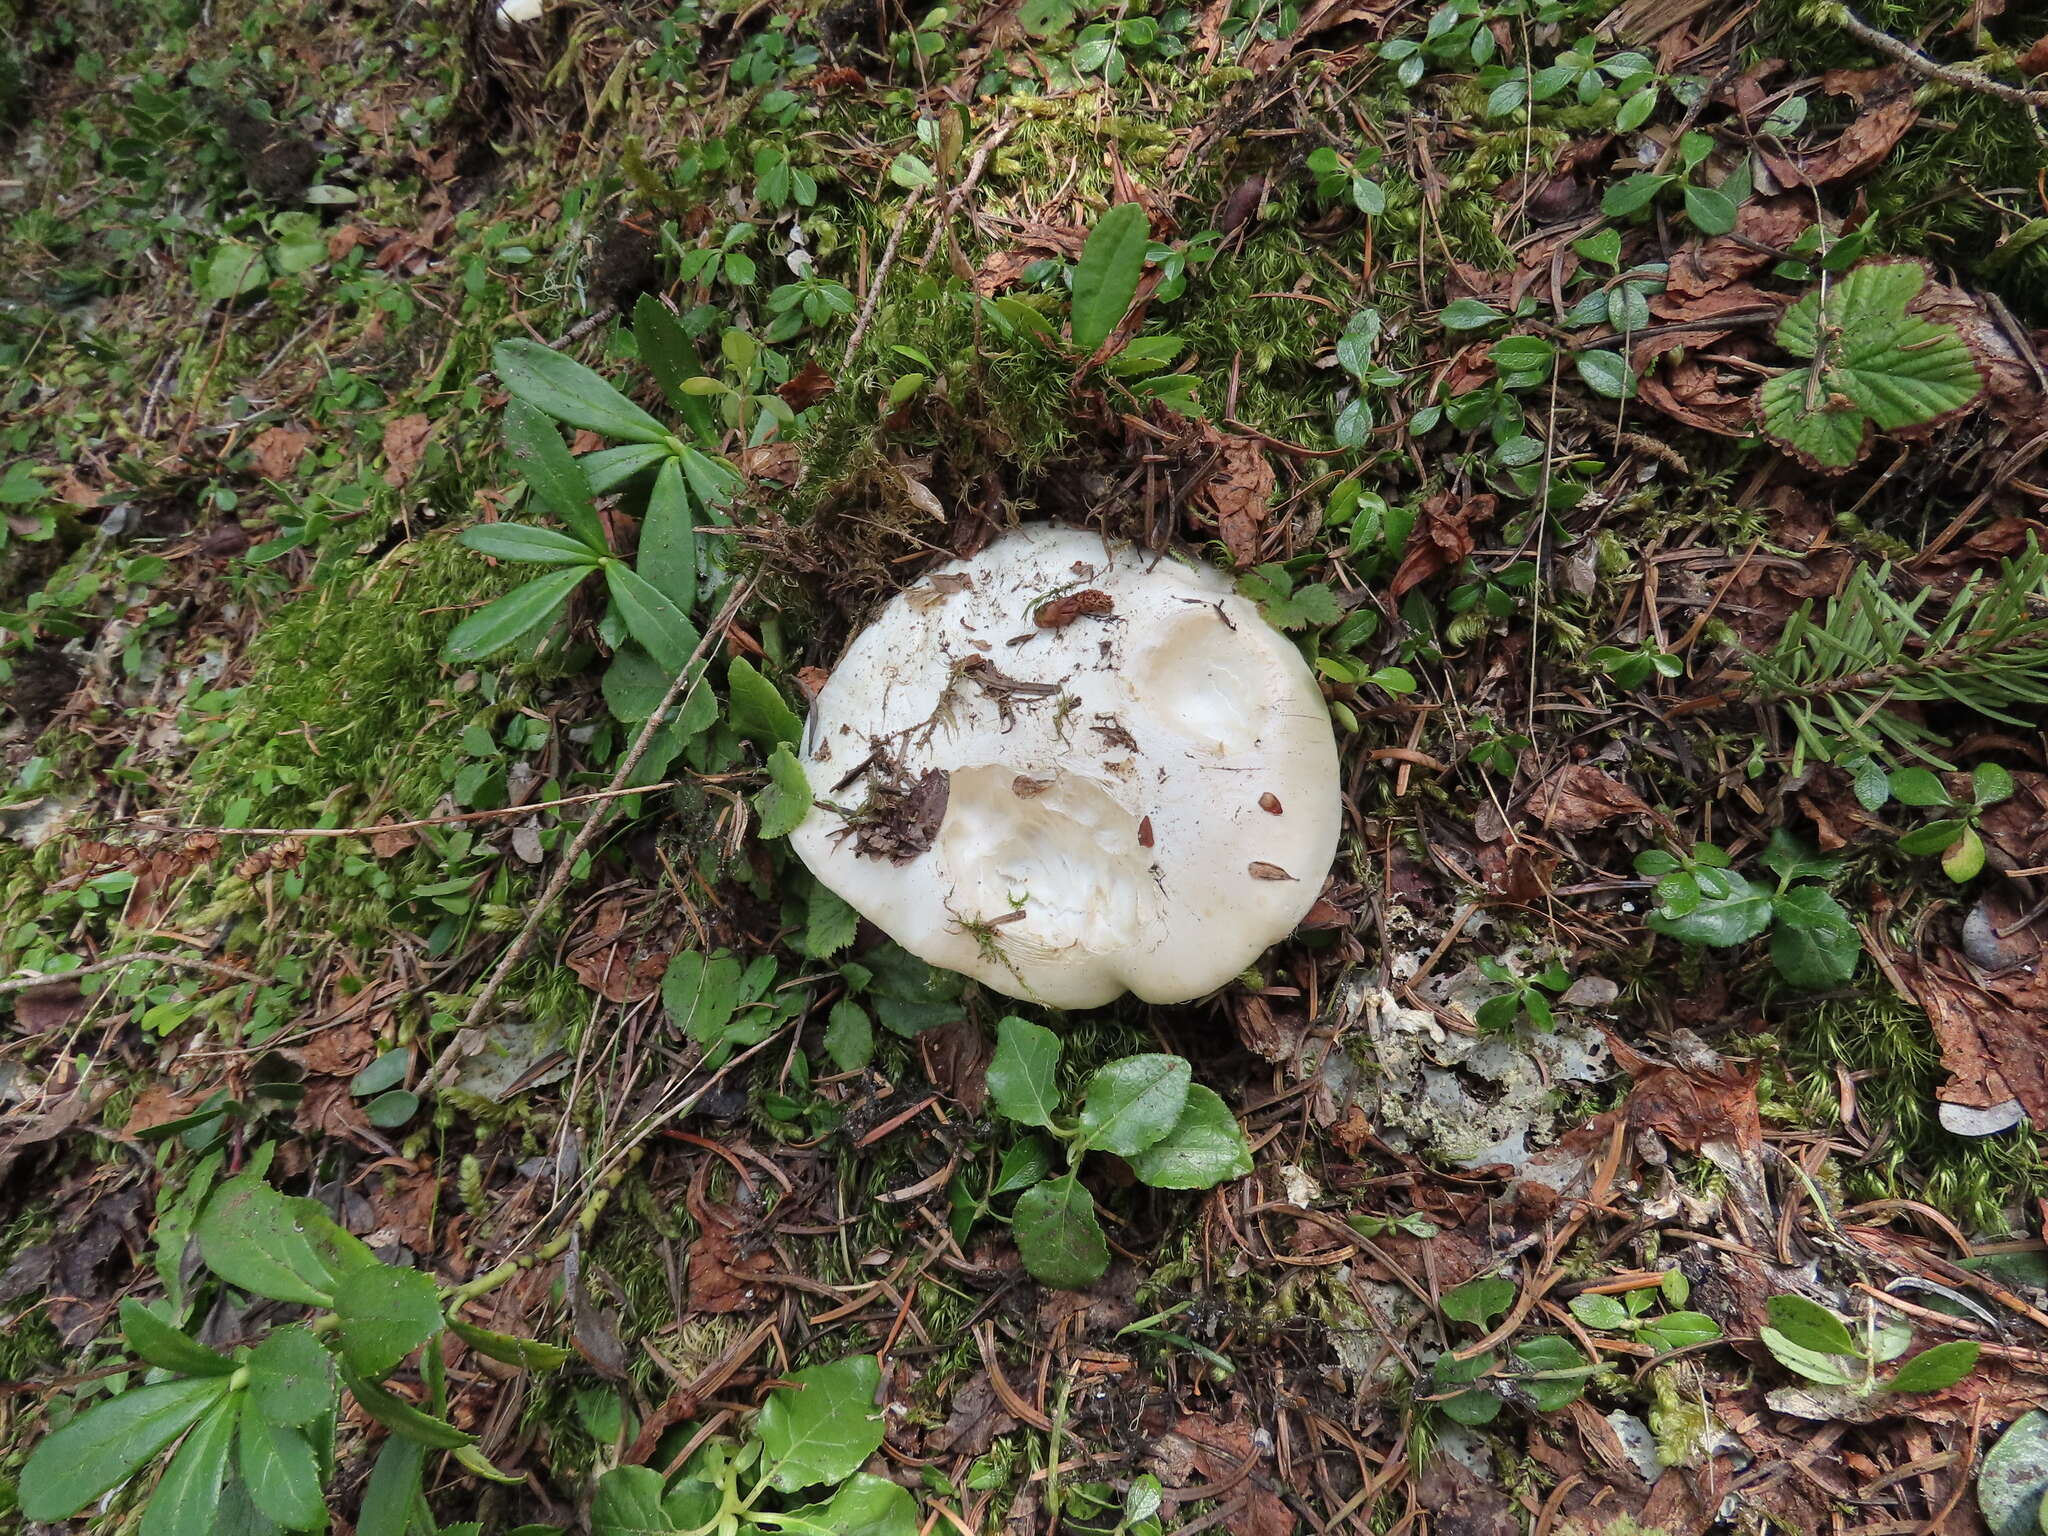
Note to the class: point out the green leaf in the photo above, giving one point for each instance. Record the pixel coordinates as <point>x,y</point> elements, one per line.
<point>1472,1408</point>
<point>1106,277</point>
<point>650,618</point>
<point>668,539</point>
<point>401,1417</point>
<point>233,270</point>
<point>1468,315</point>
<point>281,1472</point>
<point>104,1446</point>
<point>1935,837</point>
<point>157,1342</point>
<point>527,1354</point>
<point>1597,1311</point>
<point>250,1236</point>
<point>821,1427</point>
<point>628,1503</point>
<point>518,541</point>
<point>1679,1330</point>
<point>700,994</point>
<point>1933,1369</point>
<point>385,1313</point>
<point>291,1378</point>
<point>387,1071</point>
<point>1551,1352</point>
<point>786,801</point>
<point>1634,193</point>
<point>1809,1325</point>
<point>1711,210</point>
<point>570,392</point>
<point>186,1501</point>
<point>1814,944</point>
<point>829,923</point>
<point>1478,1301</point>
<point>1133,1102</point>
<point>1605,373</point>
<point>1733,912</point>
<point>1964,858</point>
<point>1815,1365</point>
<point>1989,784</point>
<point>1023,1166</point>
<point>2013,1477</point>
<point>1058,1237</point>
<point>1793,858</point>
<point>1874,365</point>
<point>849,1037</point>
<point>609,468</point>
<point>1023,1073</point>
<point>557,479</point>
<point>670,355</point>
<point>512,617</point>
<point>865,1506</point>
<point>393,1490</point>
<point>388,1111</point>
<point>1205,1147</point>
<point>758,712</point>
<point>1522,354</point>
<point>1919,787</point>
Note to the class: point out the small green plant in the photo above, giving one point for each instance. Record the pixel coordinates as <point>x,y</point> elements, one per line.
<point>1551,1371</point>
<point>1710,210</point>
<point>1524,999</point>
<point>1700,900</point>
<point>1495,749</point>
<point>1811,1341</point>
<point>1348,178</point>
<point>796,1469</point>
<point>1630,1313</point>
<point>1954,837</point>
<point>257,1425</point>
<point>1628,81</point>
<point>1172,1132</point>
<point>1631,668</point>
<point>1872,367</point>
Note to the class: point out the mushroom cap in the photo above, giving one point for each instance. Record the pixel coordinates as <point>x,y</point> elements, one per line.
<point>1067,767</point>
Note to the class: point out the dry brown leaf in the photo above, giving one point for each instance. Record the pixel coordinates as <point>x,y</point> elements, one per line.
<point>1236,494</point>
<point>806,387</point>
<point>720,1280</point>
<point>405,440</point>
<point>1889,110</point>
<point>60,1005</point>
<point>613,962</point>
<point>1580,797</point>
<point>1690,1106</point>
<point>338,1050</point>
<point>1443,536</point>
<point>156,1105</point>
<point>277,451</point>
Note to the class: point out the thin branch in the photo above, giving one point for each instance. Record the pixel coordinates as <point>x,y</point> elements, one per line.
<point>565,871</point>
<point>867,309</point>
<point>1919,63</point>
<point>186,962</point>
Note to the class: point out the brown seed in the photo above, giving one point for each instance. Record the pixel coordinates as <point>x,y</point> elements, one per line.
<point>1024,787</point>
<point>1270,803</point>
<point>1145,833</point>
<point>1261,870</point>
<point>1062,611</point>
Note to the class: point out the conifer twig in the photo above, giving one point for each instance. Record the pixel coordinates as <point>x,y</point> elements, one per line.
<point>1920,64</point>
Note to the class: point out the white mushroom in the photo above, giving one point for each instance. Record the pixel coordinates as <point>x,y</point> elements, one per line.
<point>1067,768</point>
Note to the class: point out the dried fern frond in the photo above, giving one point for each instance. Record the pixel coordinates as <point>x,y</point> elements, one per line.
<point>1838,674</point>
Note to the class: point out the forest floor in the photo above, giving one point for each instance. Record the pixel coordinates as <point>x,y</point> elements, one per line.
<point>464,1111</point>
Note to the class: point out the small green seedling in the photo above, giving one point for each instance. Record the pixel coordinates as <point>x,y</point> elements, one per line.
<point>1524,998</point>
<point>1954,837</point>
<point>1811,1341</point>
<point>1551,1371</point>
<point>1700,900</point>
<point>1172,1132</point>
<point>1629,1313</point>
<point>1633,668</point>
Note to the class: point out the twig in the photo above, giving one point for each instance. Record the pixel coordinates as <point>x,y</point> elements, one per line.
<point>371,831</point>
<point>565,871</point>
<point>867,309</point>
<point>1919,63</point>
<point>187,962</point>
<point>958,195</point>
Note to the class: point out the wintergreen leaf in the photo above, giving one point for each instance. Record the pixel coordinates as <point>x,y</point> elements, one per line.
<point>291,1378</point>
<point>1935,837</point>
<point>1809,1325</point>
<point>1468,315</point>
<point>1522,354</point>
<point>385,1314</point>
<point>1919,787</point>
<point>2014,1474</point>
<point>521,542</point>
<point>1133,1102</point>
<point>757,710</point>
<point>186,1500</point>
<point>700,994</point>
<point>1597,1311</point>
<point>1872,364</point>
<point>1023,1072</point>
<point>1058,1237</point>
<point>393,1490</point>
<point>557,479</point>
<point>1989,784</point>
<point>1106,277</point>
<point>667,556</point>
<point>1813,944</point>
<point>1022,1166</point>
<point>104,1446</point>
<point>1205,1147</point>
<point>1815,1365</point>
<point>1479,1300</point>
<point>527,1354</point>
<point>250,1236</point>
<point>1933,1369</point>
<point>1731,910</point>
<point>281,1472</point>
<point>650,618</point>
<point>1551,1352</point>
<point>156,1341</point>
<point>823,1425</point>
<point>1634,193</point>
<point>1605,373</point>
<point>1711,210</point>
<point>865,1506</point>
<point>512,617</point>
<point>849,1037</point>
<point>570,392</point>
<point>1679,1330</point>
<point>786,801</point>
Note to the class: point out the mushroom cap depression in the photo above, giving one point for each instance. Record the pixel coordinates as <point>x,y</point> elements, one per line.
<point>1069,767</point>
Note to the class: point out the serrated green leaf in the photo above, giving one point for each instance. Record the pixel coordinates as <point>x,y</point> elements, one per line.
<point>758,711</point>
<point>156,1341</point>
<point>401,1417</point>
<point>1133,1102</point>
<point>186,1501</point>
<point>821,1427</point>
<point>570,392</point>
<point>1023,1073</point>
<point>1205,1147</point>
<point>251,1237</point>
<point>104,1446</point>
<point>1106,277</point>
<point>829,923</point>
<point>1813,944</point>
<point>512,617</point>
<point>291,1378</point>
<point>1058,1237</point>
<point>385,1314</point>
<point>786,801</point>
<point>281,1473</point>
